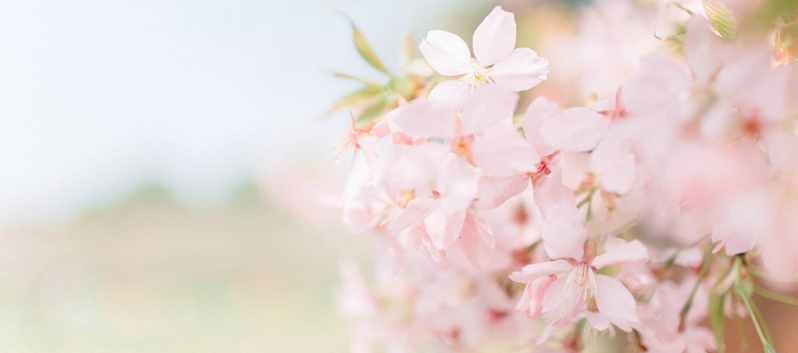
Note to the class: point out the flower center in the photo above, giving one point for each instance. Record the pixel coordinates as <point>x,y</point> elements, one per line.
<point>478,76</point>
<point>581,282</point>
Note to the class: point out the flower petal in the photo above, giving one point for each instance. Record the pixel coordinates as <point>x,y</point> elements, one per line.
<point>457,183</point>
<point>520,71</point>
<point>534,271</point>
<point>615,302</point>
<point>453,92</point>
<point>577,129</point>
<point>538,112</point>
<point>447,53</point>
<point>598,321</point>
<point>486,107</point>
<point>477,240</point>
<point>562,231</point>
<point>493,192</point>
<point>561,307</point>
<point>444,228</point>
<point>413,214</point>
<point>532,298</point>
<point>494,38</point>
<point>421,118</point>
<point>632,251</point>
<point>501,151</point>
<point>614,163</point>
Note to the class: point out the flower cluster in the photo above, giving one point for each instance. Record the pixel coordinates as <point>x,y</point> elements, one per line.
<point>643,213</point>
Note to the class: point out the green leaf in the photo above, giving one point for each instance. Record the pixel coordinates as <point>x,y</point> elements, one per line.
<point>357,79</point>
<point>721,19</point>
<point>371,112</point>
<point>365,50</point>
<point>715,314</point>
<point>355,98</point>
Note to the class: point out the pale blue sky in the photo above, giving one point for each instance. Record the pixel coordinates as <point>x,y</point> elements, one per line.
<point>98,96</point>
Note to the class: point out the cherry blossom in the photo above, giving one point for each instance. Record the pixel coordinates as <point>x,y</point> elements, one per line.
<point>645,205</point>
<point>579,290</point>
<point>496,61</point>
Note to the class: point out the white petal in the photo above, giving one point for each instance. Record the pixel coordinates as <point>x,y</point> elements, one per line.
<point>520,71</point>
<point>494,39</point>
<point>447,53</point>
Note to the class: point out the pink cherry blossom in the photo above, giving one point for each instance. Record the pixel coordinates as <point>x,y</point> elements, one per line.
<point>496,61</point>
<point>577,290</point>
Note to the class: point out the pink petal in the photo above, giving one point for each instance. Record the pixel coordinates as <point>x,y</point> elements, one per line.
<point>447,53</point>
<point>444,228</point>
<point>538,112</point>
<point>414,213</point>
<point>416,166</point>
<point>453,92</point>
<point>703,49</point>
<point>493,192</point>
<point>501,151</point>
<point>534,271</point>
<point>563,239</point>
<point>494,38</point>
<point>598,321</point>
<point>657,84</point>
<point>614,164</point>
<point>371,153</point>
<point>457,183</point>
<point>520,71</point>
<point>747,219</point>
<point>531,300</point>
<point>615,302</point>
<point>421,118</point>
<point>632,251</point>
<point>575,129</point>
<point>560,307</point>
<point>486,107</point>
<point>562,231</point>
<point>477,240</point>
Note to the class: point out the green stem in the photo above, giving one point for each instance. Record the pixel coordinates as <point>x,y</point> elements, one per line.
<point>701,275</point>
<point>775,296</point>
<point>764,337</point>
<point>587,198</point>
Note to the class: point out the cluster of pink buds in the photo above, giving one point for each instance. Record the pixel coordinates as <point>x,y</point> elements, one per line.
<point>646,215</point>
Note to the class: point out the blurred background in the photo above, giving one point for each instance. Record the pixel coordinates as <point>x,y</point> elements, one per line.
<point>156,158</point>
<point>166,179</point>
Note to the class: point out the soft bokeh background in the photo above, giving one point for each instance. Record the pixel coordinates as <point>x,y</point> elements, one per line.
<point>153,156</point>
<point>166,182</point>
